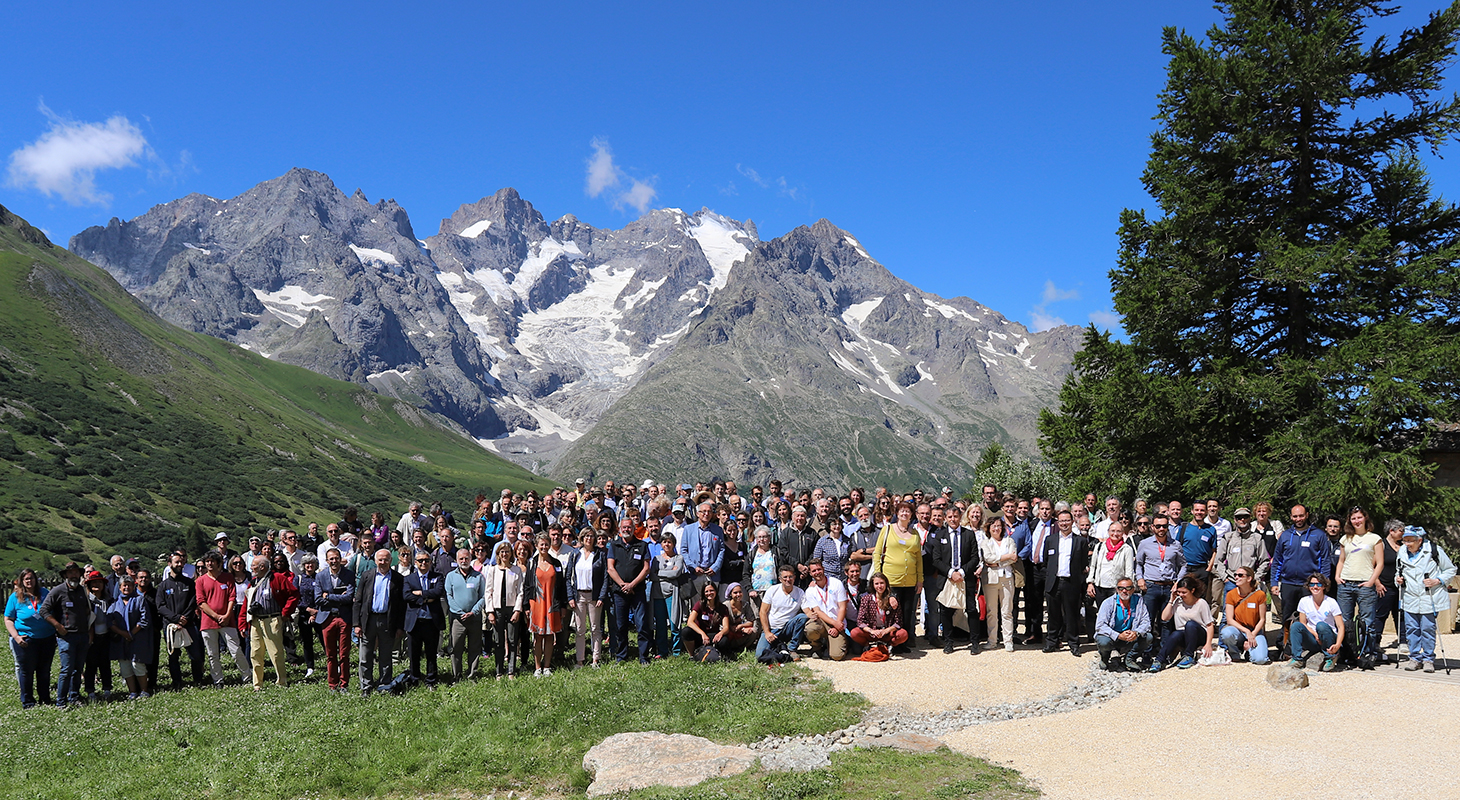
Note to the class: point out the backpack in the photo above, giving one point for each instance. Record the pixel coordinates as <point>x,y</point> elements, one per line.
<point>707,654</point>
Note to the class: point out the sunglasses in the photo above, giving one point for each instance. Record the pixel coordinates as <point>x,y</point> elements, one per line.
<point>1315,586</point>
<point>1125,588</point>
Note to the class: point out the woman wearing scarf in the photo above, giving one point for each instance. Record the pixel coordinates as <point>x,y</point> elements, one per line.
<point>1112,560</point>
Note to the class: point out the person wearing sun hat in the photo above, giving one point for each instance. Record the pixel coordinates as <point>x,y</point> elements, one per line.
<point>98,655</point>
<point>1424,571</point>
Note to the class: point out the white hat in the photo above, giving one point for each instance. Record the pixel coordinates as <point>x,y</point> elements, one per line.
<point>221,537</point>
<point>647,484</point>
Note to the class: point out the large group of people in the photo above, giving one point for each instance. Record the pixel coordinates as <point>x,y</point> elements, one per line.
<point>572,578</point>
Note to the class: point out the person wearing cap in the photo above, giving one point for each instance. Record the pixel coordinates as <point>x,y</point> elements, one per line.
<point>255,549</point>
<point>68,608</point>
<point>1424,572</point>
<point>1242,546</point>
<point>220,544</point>
<point>98,655</point>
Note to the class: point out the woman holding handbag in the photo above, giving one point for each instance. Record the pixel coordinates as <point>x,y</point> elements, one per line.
<point>899,558</point>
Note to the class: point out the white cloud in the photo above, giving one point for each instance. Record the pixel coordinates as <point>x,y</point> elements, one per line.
<point>729,189</point>
<point>1108,320</point>
<point>604,175</point>
<point>1040,317</point>
<point>793,192</point>
<point>753,176</point>
<point>1043,322</point>
<point>639,195</point>
<point>64,161</point>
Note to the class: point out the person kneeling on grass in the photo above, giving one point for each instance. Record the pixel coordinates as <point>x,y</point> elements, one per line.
<point>1423,572</point>
<point>1246,606</point>
<point>1319,625</point>
<point>1193,625</point>
<point>1122,627</point>
<point>782,620</point>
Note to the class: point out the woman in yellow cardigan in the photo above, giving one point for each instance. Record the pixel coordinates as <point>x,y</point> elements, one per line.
<point>899,556</point>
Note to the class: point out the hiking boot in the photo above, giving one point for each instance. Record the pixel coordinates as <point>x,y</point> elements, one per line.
<point>1411,666</point>
<point>1328,665</point>
<point>1429,666</point>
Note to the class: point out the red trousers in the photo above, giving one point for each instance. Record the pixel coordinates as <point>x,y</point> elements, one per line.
<point>336,652</point>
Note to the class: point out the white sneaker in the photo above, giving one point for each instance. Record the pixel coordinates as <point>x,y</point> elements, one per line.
<point>537,673</point>
<point>1008,648</point>
<point>309,673</point>
<point>546,671</point>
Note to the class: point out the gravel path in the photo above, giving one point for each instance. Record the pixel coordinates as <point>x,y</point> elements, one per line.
<point>931,681</point>
<point>1084,734</point>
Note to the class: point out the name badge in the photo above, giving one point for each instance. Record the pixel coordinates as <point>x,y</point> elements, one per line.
<point>1307,544</point>
<point>639,556</point>
<point>991,579</point>
<point>1252,605</point>
<point>69,604</point>
<point>1206,538</point>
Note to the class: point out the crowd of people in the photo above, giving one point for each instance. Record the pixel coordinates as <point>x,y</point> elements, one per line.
<point>576,577</point>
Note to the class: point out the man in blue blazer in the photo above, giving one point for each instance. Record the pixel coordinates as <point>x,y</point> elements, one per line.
<point>424,590</point>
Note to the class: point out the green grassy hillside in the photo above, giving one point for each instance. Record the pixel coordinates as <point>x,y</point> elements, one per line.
<point>122,433</point>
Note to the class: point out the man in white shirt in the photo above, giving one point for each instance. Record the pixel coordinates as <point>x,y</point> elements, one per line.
<point>333,541</point>
<point>782,620</point>
<point>825,605</point>
<point>1101,529</point>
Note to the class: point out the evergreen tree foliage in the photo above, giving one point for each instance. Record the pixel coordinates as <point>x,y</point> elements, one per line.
<point>1293,308</point>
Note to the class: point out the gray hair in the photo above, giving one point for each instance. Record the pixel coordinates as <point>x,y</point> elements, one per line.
<point>1061,506</point>
<point>1393,525</point>
<point>307,560</point>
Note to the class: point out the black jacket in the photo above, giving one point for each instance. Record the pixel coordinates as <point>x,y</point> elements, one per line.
<point>177,598</point>
<point>600,574</point>
<point>938,560</point>
<point>395,608</point>
<point>531,591</point>
<point>430,604</point>
<point>1079,559</point>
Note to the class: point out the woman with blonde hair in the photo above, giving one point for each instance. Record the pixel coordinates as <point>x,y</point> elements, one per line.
<point>504,608</point>
<point>1000,554</point>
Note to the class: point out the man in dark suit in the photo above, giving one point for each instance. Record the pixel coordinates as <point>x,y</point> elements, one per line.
<point>425,615</point>
<point>1031,553</point>
<point>380,613</point>
<point>951,554</point>
<point>1066,559</point>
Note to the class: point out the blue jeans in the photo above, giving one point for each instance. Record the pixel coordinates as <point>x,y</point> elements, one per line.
<point>1366,600</point>
<point>666,634</point>
<point>1187,641</point>
<point>1421,630</point>
<point>1232,639</point>
<point>33,668</point>
<point>1132,649</point>
<point>1303,642</point>
<point>629,609</point>
<point>73,664</point>
<point>1155,597</point>
<point>790,634</point>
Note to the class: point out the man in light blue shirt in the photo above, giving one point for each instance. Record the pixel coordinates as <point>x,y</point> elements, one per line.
<point>466,597</point>
<point>702,543</point>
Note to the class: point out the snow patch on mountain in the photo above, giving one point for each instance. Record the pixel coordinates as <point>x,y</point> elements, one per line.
<point>291,304</point>
<point>369,255</point>
<point>475,229</point>
<point>722,244</point>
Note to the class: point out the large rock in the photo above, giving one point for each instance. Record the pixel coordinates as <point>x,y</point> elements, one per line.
<point>1283,676</point>
<point>627,761</point>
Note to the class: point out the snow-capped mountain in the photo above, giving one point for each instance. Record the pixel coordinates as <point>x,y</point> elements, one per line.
<point>567,347</point>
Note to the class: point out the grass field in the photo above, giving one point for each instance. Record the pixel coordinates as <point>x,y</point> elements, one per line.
<point>526,735</point>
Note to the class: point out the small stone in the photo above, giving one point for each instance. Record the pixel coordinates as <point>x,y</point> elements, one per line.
<point>796,758</point>
<point>1283,677</point>
<point>874,731</point>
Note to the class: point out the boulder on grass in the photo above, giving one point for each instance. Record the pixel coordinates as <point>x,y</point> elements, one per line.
<point>627,761</point>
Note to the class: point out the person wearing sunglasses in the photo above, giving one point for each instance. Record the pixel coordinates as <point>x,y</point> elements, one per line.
<point>1246,610</point>
<point>424,591</point>
<point>1122,628</point>
<point>1319,625</point>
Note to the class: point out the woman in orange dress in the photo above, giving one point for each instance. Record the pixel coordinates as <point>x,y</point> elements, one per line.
<point>545,589</point>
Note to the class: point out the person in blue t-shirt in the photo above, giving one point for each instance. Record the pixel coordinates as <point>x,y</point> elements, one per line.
<point>32,639</point>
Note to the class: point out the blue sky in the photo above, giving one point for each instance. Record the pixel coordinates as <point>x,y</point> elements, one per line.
<point>978,149</point>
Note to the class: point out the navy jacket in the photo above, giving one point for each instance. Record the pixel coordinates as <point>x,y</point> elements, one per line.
<point>334,598</point>
<point>433,592</point>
